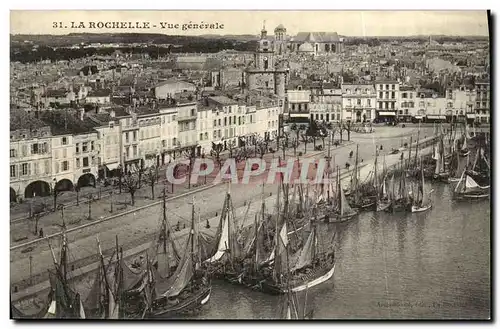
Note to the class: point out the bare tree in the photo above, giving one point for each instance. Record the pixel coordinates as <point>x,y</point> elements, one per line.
<point>348,127</point>
<point>340,126</point>
<point>305,139</point>
<point>151,176</point>
<point>216,151</point>
<point>191,155</point>
<point>131,183</point>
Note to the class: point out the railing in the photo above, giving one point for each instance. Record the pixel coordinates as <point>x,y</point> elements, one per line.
<point>187,118</point>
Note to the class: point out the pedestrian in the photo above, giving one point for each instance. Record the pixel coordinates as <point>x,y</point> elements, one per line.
<point>41,233</point>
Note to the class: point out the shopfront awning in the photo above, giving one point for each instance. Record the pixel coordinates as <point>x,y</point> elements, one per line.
<point>471,116</point>
<point>418,117</point>
<point>112,166</point>
<point>387,113</point>
<point>436,117</point>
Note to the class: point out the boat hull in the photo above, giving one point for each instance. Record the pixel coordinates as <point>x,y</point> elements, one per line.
<point>420,209</point>
<point>299,285</point>
<point>192,303</point>
<point>382,206</point>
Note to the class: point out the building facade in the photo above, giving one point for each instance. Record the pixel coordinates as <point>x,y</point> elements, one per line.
<point>387,100</point>
<point>358,102</point>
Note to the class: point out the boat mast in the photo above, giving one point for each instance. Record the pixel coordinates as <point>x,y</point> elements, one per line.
<point>409,153</point>
<point>375,178</point>
<point>356,192</point>
<point>164,224</point>
<point>416,148</point>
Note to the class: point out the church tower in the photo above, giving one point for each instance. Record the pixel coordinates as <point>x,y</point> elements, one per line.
<point>264,75</point>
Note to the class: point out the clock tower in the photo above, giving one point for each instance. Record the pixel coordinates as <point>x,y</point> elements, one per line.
<point>264,75</point>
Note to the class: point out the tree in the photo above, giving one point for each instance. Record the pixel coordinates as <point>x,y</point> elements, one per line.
<point>216,151</point>
<point>340,126</point>
<point>348,127</point>
<point>231,147</point>
<point>261,147</point>
<point>191,155</point>
<point>131,183</point>
<point>151,176</point>
<point>304,139</point>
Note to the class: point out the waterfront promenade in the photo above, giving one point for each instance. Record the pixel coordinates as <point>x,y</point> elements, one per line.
<point>137,228</point>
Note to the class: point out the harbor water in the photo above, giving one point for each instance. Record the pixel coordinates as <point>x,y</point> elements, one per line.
<point>430,265</point>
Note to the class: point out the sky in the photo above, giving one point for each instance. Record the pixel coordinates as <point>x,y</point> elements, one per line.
<point>348,23</point>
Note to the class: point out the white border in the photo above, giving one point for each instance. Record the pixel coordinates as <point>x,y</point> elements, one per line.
<point>213,4</point>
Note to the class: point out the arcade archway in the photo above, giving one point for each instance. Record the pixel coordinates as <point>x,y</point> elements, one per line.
<point>64,185</point>
<point>87,179</point>
<point>37,188</point>
<point>13,195</point>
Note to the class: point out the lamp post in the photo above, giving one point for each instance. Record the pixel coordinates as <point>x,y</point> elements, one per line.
<point>54,192</point>
<point>120,172</point>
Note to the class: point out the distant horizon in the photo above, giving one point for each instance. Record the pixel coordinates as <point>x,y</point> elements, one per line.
<point>256,36</point>
<point>346,23</point>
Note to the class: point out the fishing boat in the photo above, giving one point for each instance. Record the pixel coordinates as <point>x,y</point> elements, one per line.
<point>63,301</point>
<point>104,299</point>
<point>299,271</point>
<point>468,188</point>
<point>422,201</point>
<point>382,201</point>
<point>440,172</point>
<point>342,211</point>
<point>164,294</point>
<point>361,196</point>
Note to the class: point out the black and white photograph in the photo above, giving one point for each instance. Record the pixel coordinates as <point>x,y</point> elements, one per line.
<point>250,165</point>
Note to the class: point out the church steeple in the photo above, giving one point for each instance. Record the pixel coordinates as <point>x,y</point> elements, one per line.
<point>263,33</point>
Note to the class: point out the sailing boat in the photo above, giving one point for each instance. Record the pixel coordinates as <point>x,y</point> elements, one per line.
<point>104,299</point>
<point>459,163</point>
<point>440,172</point>
<point>421,202</point>
<point>365,200</point>
<point>381,199</point>
<point>63,302</point>
<point>186,290</point>
<point>343,210</point>
<point>304,269</point>
<point>468,188</point>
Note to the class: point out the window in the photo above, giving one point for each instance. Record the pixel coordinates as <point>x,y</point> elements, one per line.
<point>34,148</point>
<point>12,171</point>
<point>24,169</point>
<point>421,103</point>
<point>393,87</point>
<point>134,136</point>
<point>77,162</point>
<point>64,140</point>
<point>368,102</point>
<point>411,95</point>
<point>65,166</point>
<point>392,106</point>
<point>404,95</point>
<point>65,153</point>
<point>215,123</point>
<point>56,169</point>
<point>387,87</point>
<point>77,148</point>
<point>92,145</point>
<point>380,87</point>
<point>380,95</point>
<point>358,101</point>
<point>126,137</point>
<point>85,147</point>
<point>393,95</point>
<point>135,150</point>
<point>47,167</point>
<point>85,162</point>
<point>380,105</point>
<point>193,112</point>
<point>12,153</point>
